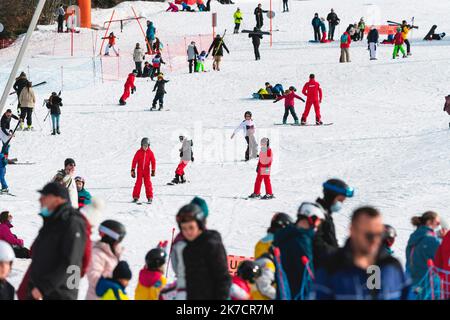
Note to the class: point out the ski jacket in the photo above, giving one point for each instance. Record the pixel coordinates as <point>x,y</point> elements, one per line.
<point>398,39</point>
<point>373,36</point>
<point>5,123</point>
<point>8,236</point>
<point>186,153</point>
<point>247,126</point>
<point>201,58</point>
<point>217,47</point>
<point>341,279</point>
<point>361,25</point>
<point>21,82</point>
<point>84,198</point>
<point>60,244</point>
<point>156,61</point>
<point>160,86</point>
<point>325,241</point>
<point>138,55</point>
<point>346,44</point>
<point>294,243</point>
<point>27,99</point>
<point>69,183</point>
<point>405,31</point>
<point>263,245</point>
<point>333,19</point>
<point>130,81</point>
<point>259,15</point>
<point>60,11</point>
<point>422,246</point>
<point>289,99</point>
<point>151,30</point>
<point>265,161</point>
<point>256,38</point>
<point>240,289</point>
<point>149,285</point>
<point>237,17</point>
<point>206,268</point>
<point>442,261</point>
<point>111,40</point>
<point>192,52</point>
<point>103,262</point>
<point>178,265</point>
<point>144,160</point>
<point>109,289</point>
<point>264,287</point>
<point>7,291</point>
<point>316,22</point>
<point>322,26</point>
<point>54,104</point>
<point>312,90</point>
<point>147,70</point>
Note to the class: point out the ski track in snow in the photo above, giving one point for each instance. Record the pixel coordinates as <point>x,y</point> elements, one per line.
<point>390,138</point>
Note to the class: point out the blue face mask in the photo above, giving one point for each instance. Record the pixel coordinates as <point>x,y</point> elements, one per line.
<point>335,207</point>
<point>45,212</point>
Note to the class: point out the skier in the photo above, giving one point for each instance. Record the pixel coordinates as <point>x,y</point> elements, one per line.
<point>361,28</point>
<point>150,34</point>
<point>345,40</point>
<point>323,29</point>
<point>316,26</point>
<point>256,37</point>
<point>7,291</point>
<point>313,92</point>
<point>160,92</point>
<point>156,64</point>
<point>138,58</point>
<point>61,13</point>
<point>128,87</point>
<point>111,44</point>
<point>345,273</point>
<point>144,159</point>
<point>259,16</point>
<point>335,192</point>
<point>296,241</point>
<point>65,177</point>
<point>5,125</point>
<point>423,244</point>
<point>389,236</point>
<point>186,155</point>
<point>114,288</point>
<point>54,105</point>
<point>247,273</point>
<point>192,53</point>
<point>263,171</point>
<point>405,32</point>
<point>3,163</point>
<point>279,221</point>
<point>248,127</point>
<point>157,46</point>
<point>27,101</point>
<point>289,97</point>
<point>204,257</point>
<point>6,235</point>
<point>333,21</point>
<point>84,197</point>
<point>19,85</point>
<point>372,41</point>
<point>237,20</point>
<point>398,44</point>
<point>151,276</point>
<point>217,47</point>
<point>285,6</point>
<point>106,254</point>
<point>200,67</point>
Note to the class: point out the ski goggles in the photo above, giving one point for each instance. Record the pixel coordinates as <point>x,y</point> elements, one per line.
<point>348,192</point>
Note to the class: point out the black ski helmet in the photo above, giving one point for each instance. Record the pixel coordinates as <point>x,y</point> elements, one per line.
<point>247,113</point>
<point>112,231</point>
<point>155,258</point>
<point>249,271</point>
<point>145,141</point>
<point>279,221</point>
<point>292,88</point>
<point>191,212</point>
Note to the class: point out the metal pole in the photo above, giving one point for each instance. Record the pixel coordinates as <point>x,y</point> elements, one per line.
<point>25,42</point>
<point>271,23</point>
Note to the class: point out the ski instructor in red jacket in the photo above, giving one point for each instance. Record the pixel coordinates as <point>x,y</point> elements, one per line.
<point>313,92</point>
<point>145,161</point>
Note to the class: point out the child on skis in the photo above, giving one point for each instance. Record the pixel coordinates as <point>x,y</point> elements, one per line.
<point>128,87</point>
<point>111,44</point>
<point>398,44</point>
<point>247,272</point>
<point>114,288</point>
<point>3,163</point>
<point>289,97</point>
<point>186,155</point>
<point>160,92</point>
<point>156,64</point>
<point>263,171</point>
<point>54,103</point>
<point>201,62</point>
<point>145,161</point>
<point>151,277</point>
<point>248,127</point>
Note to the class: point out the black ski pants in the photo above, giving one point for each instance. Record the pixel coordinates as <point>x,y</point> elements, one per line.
<point>286,113</point>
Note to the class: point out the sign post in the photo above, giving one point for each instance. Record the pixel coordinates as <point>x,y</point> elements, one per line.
<point>214,23</point>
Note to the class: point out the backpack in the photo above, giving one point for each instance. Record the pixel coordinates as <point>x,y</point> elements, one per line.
<point>344,38</point>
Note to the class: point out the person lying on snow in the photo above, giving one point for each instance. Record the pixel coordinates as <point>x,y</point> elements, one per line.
<point>172,7</point>
<point>269,92</point>
<point>185,7</point>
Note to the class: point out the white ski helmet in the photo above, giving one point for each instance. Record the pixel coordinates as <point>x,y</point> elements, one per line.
<point>311,209</point>
<point>6,252</point>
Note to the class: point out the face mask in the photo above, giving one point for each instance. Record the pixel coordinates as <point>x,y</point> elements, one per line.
<point>335,207</point>
<point>45,212</point>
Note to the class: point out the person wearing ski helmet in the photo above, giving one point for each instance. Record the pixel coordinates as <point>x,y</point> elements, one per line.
<point>335,192</point>
<point>247,273</point>
<point>7,291</point>
<point>389,236</point>
<point>105,254</point>
<point>296,242</point>
<point>186,155</point>
<point>264,287</point>
<point>144,160</point>
<point>151,276</point>
<point>204,257</point>
<point>263,171</point>
<point>279,221</point>
<point>129,87</point>
<point>398,44</point>
<point>84,197</point>
<point>289,98</point>
<point>247,126</point>
<point>160,86</point>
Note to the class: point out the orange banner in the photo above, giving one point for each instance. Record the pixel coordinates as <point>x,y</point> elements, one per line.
<point>233,263</point>
<point>383,29</point>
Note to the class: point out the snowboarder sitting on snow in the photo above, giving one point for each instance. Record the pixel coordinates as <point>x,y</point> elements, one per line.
<point>3,163</point>
<point>263,171</point>
<point>247,273</point>
<point>84,197</point>
<point>248,127</point>
<point>128,87</point>
<point>144,159</point>
<point>148,70</point>
<point>6,132</point>
<point>200,67</point>
<point>447,105</point>
<point>185,7</point>
<point>114,288</point>
<point>186,155</point>
<point>156,64</point>
<point>54,103</point>
<point>172,7</point>
<point>389,40</point>
<point>160,92</point>
<point>398,44</point>
<point>111,44</point>
<point>151,277</point>
<point>289,97</point>
<point>6,235</point>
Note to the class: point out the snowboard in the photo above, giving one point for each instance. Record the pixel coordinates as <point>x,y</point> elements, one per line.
<point>430,33</point>
<point>158,110</point>
<point>175,184</point>
<point>7,194</point>
<point>22,163</point>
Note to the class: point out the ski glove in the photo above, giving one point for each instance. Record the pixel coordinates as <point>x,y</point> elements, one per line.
<point>133,173</point>
<point>133,90</point>
<point>257,169</point>
<point>153,173</point>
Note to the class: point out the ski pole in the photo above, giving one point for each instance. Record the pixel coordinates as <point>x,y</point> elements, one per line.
<point>12,135</point>
<point>306,263</point>
<point>48,113</point>
<point>170,252</point>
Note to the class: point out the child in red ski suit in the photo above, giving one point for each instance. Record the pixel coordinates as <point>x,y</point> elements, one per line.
<point>263,171</point>
<point>128,87</point>
<point>289,97</point>
<point>313,92</point>
<point>144,159</point>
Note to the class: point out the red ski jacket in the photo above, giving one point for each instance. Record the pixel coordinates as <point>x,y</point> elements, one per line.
<point>265,159</point>
<point>349,40</point>
<point>111,40</point>
<point>442,261</point>
<point>289,99</point>
<point>312,90</point>
<point>143,160</point>
<point>130,80</point>
<point>398,39</point>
